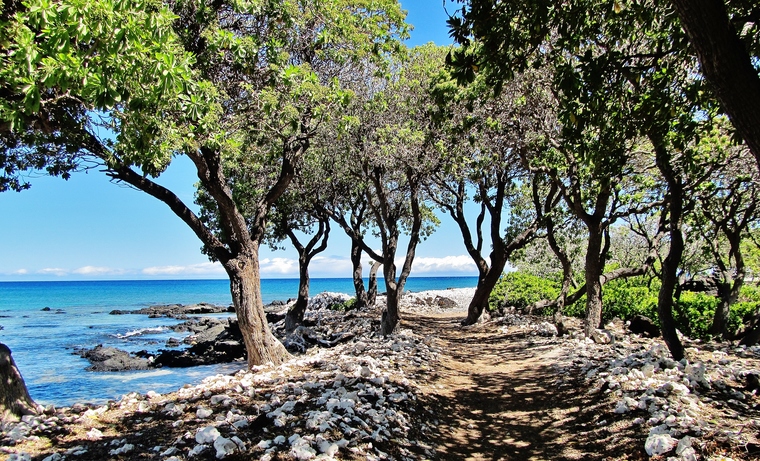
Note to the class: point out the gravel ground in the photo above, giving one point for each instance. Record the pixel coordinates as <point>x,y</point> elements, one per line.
<point>432,390</point>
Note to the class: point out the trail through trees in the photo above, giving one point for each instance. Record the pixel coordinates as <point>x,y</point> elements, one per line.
<point>503,396</point>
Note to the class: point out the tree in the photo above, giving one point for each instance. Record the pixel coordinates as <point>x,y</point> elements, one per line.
<point>481,137</point>
<point>344,199</point>
<point>291,214</point>
<point>724,36</point>
<point>238,83</point>
<point>14,397</point>
<point>727,210</point>
<point>609,67</point>
<point>387,156</point>
<point>564,237</point>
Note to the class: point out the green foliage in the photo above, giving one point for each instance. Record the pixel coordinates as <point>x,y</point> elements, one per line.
<point>73,68</point>
<point>694,313</point>
<point>626,298</point>
<point>345,306</point>
<point>521,290</point>
<point>750,294</point>
<point>741,311</point>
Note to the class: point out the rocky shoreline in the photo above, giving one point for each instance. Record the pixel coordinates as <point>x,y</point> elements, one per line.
<point>368,397</point>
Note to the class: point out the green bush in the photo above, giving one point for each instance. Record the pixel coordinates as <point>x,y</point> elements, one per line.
<point>739,311</point>
<point>627,298</point>
<point>345,306</point>
<point>749,294</point>
<point>521,290</point>
<point>624,299</point>
<point>694,313</point>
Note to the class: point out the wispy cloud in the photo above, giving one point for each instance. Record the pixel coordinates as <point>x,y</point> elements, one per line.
<point>445,264</point>
<point>98,271</point>
<point>207,268</point>
<point>20,272</point>
<point>57,271</point>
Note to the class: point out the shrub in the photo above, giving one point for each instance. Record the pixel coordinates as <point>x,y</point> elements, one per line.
<point>623,298</point>
<point>344,306</point>
<point>520,290</point>
<point>627,298</point>
<point>749,294</point>
<point>739,311</point>
<point>694,313</point>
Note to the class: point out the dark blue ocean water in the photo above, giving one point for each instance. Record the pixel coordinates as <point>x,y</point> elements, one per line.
<point>42,342</point>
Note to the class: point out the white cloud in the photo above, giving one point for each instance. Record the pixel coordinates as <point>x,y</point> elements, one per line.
<point>278,266</point>
<point>53,271</point>
<point>20,272</point>
<point>207,268</point>
<point>446,264</point>
<point>331,266</point>
<point>94,270</point>
<point>334,266</point>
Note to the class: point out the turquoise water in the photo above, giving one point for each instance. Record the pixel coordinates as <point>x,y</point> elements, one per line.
<point>42,342</point>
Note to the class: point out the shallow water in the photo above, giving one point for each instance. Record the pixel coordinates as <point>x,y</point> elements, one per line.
<point>43,341</point>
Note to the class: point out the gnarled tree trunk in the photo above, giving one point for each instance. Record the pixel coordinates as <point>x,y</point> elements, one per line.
<point>729,292</point>
<point>15,400</point>
<point>594,270</point>
<point>362,299</point>
<point>245,287</point>
<point>665,300</point>
<point>372,285</point>
<point>295,314</point>
<point>486,284</point>
<point>390,316</point>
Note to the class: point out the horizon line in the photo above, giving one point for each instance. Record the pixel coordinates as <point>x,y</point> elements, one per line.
<point>218,278</point>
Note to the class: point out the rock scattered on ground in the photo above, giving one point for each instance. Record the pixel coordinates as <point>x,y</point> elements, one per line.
<point>352,394</point>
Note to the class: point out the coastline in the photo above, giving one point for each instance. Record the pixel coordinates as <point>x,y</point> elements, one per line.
<point>422,392</point>
<point>71,319</point>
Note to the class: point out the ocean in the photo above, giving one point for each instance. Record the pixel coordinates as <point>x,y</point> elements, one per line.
<point>44,322</point>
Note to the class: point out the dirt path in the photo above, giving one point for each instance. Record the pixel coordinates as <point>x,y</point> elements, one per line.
<point>498,396</point>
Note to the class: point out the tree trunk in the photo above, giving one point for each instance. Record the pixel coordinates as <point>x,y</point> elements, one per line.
<point>665,297</point>
<point>564,259</point>
<point>485,286</point>
<point>372,288</point>
<point>726,65</point>
<point>390,316</point>
<point>356,261</point>
<point>295,314</point>
<point>594,269</point>
<point>669,276</point>
<point>751,335</point>
<point>14,397</point>
<point>729,295</point>
<point>245,287</point>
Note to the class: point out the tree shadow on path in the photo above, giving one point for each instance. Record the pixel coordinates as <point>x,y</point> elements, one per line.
<point>508,396</point>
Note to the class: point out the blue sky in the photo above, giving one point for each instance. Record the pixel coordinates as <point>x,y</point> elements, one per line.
<point>87,228</point>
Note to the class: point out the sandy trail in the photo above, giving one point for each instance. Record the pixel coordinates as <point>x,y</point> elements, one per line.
<point>499,396</point>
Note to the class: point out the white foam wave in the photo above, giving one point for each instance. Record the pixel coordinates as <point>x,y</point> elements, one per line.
<point>131,375</point>
<point>141,331</point>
